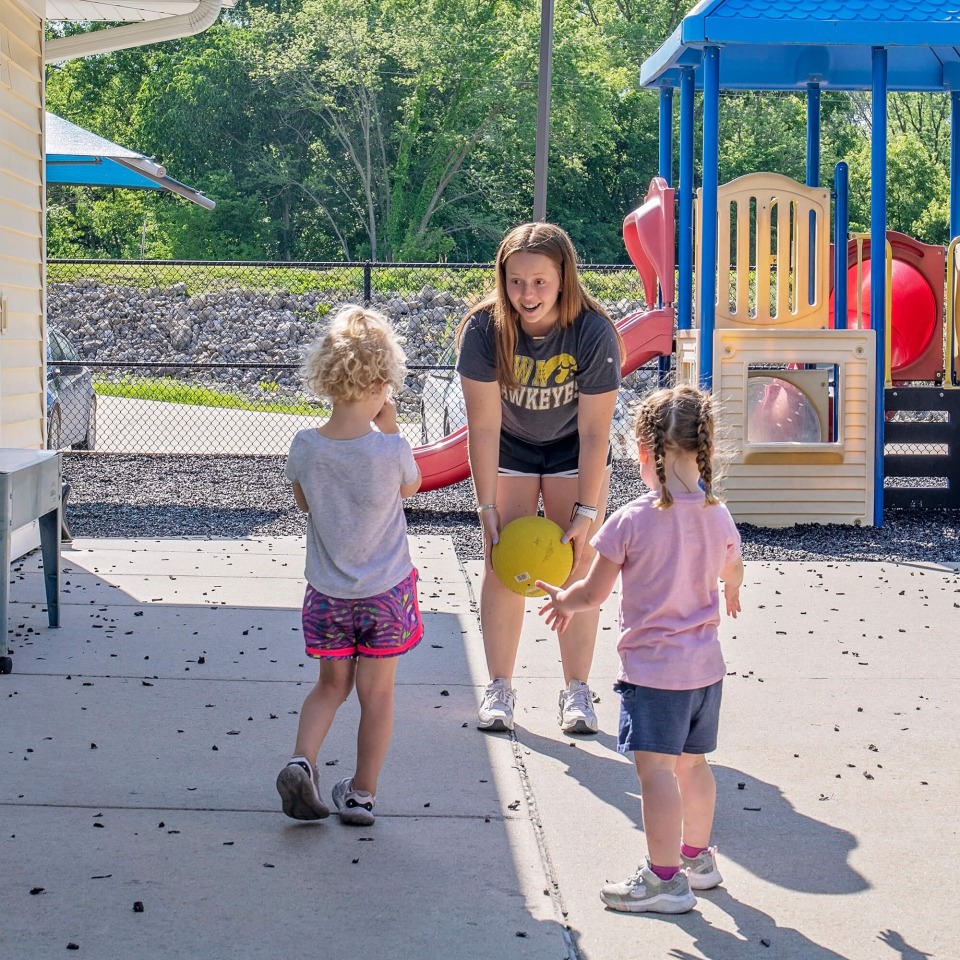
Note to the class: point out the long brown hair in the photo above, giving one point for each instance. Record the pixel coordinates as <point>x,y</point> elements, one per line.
<point>551,241</point>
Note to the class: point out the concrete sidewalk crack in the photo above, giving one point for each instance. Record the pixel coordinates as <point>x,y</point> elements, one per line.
<point>553,883</point>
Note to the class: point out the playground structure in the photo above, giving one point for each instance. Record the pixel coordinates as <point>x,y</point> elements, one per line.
<point>820,406</point>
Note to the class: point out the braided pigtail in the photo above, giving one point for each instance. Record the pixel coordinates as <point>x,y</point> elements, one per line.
<point>660,462</point>
<point>705,447</point>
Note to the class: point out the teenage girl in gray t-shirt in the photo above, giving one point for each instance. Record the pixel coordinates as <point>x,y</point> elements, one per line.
<point>360,611</point>
<point>539,360</point>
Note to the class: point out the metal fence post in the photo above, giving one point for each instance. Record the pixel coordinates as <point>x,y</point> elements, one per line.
<point>367,282</point>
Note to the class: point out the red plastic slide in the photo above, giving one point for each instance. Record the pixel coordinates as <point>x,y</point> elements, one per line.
<point>916,304</point>
<point>649,234</point>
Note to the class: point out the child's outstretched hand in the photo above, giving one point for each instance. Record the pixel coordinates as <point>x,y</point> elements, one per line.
<point>731,597</point>
<point>386,418</point>
<point>554,611</point>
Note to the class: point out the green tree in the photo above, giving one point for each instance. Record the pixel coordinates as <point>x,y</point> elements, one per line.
<point>396,96</point>
<point>917,190</point>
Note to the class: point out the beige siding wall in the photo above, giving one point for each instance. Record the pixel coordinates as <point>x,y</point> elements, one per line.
<point>21,224</point>
<point>780,484</point>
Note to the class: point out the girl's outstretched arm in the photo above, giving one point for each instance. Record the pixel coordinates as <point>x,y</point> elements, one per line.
<point>732,577</point>
<point>581,595</point>
<point>484,414</point>
<point>594,415</point>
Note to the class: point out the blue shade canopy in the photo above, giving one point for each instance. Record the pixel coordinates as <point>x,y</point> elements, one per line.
<point>80,158</point>
<point>786,44</point>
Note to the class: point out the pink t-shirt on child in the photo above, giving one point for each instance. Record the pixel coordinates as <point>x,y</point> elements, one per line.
<point>670,605</point>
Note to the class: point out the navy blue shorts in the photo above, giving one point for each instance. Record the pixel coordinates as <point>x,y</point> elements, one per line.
<point>556,458</point>
<point>668,721</point>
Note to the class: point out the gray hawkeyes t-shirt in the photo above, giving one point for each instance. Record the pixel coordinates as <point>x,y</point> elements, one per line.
<point>356,530</point>
<point>552,372</point>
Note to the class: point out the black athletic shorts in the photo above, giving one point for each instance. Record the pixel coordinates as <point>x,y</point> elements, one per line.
<point>556,458</point>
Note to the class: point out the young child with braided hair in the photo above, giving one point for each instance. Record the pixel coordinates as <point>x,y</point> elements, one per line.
<point>670,548</point>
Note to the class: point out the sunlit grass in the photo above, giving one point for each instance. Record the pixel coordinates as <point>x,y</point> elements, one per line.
<point>169,390</point>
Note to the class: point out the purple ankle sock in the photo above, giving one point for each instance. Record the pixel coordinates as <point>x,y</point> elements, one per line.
<point>691,853</point>
<point>664,873</point>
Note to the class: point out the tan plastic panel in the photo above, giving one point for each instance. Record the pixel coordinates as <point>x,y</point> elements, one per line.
<point>773,248</point>
<point>780,484</point>
<point>953,314</point>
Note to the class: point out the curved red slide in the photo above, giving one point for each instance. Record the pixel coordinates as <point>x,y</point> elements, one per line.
<point>916,304</point>
<point>443,462</point>
<point>648,233</point>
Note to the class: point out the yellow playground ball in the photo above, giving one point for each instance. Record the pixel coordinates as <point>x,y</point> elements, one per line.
<point>529,549</point>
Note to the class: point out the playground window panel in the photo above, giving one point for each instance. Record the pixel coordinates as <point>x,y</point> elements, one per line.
<point>770,253</point>
<point>792,403</point>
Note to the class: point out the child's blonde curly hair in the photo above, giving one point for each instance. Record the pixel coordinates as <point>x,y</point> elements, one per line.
<point>357,353</point>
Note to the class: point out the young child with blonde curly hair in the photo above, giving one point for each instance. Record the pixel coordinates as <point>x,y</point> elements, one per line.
<point>670,548</point>
<point>360,610</point>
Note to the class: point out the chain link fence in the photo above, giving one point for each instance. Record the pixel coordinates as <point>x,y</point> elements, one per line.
<point>183,357</point>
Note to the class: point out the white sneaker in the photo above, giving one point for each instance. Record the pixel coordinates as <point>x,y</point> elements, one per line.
<point>645,892</point>
<point>354,806</point>
<point>702,872</point>
<point>576,713</point>
<point>496,708</point>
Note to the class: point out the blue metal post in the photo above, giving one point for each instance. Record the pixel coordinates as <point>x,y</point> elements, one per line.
<point>954,163</point>
<point>666,134</point>
<point>841,226</point>
<point>813,180</point>
<point>666,171</point>
<point>685,204</point>
<point>708,212</point>
<point>878,272</point>
<point>813,134</point>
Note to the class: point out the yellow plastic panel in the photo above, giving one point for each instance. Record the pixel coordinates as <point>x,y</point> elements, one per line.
<point>771,223</point>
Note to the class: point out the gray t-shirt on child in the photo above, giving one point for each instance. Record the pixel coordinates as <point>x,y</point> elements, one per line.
<point>552,372</point>
<point>356,531</point>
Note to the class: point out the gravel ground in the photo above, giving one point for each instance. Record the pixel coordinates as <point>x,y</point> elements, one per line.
<point>143,496</point>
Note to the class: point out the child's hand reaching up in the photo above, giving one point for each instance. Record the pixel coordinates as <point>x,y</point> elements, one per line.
<point>555,613</point>
<point>386,417</point>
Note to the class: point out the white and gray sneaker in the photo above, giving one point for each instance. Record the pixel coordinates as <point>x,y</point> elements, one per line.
<point>298,788</point>
<point>496,707</point>
<point>576,713</point>
<point>702,872</point>
<point>645,892</point>
<point>354,806</point>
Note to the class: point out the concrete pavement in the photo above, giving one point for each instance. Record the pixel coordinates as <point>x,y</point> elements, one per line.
<point>140,743</point>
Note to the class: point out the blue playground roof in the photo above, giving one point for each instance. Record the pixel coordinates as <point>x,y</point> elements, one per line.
<point>78,157</point>
<point>786,44</point>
